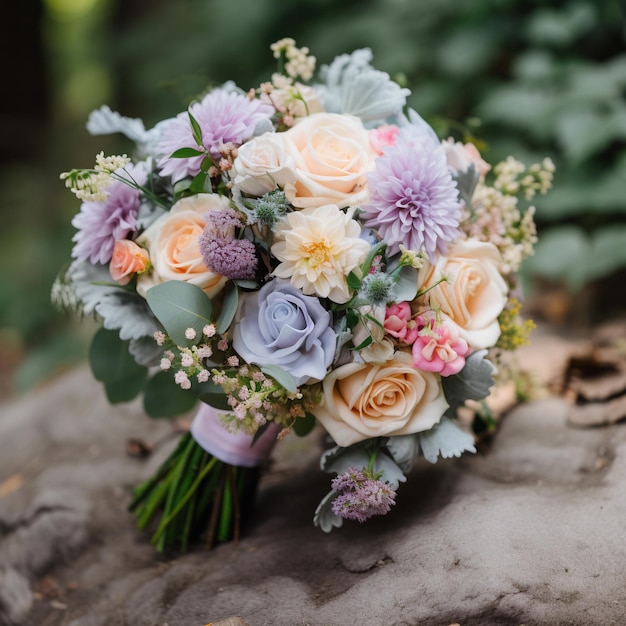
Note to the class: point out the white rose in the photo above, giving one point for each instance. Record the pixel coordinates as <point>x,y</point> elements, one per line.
<point>261,165</point>
<point>474,294</point>
<point>172,241</point>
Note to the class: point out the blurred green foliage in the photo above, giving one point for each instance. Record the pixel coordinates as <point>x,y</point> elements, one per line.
<point>544,77</point>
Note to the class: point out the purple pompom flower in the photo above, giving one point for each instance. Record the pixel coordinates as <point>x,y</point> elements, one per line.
<point>101,224</point>
<point>413,198</point>
<point>221,251</point>
<point>361,496</point>
<point>223,116</point>
<point>233,258</point>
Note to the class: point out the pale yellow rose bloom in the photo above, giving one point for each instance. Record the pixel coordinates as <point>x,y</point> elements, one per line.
<point>474,294</point>
<point>332,155</point>
<point>172,241</point>
<point>365,400</point>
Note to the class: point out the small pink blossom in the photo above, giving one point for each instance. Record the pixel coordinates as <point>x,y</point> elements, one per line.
<point>382,137</point>
<point>190,333</point>
<point>186,360</point>
<point>209,330</point>
<point>181,379</point>
<point>159,337</point>
<point>399,323</point>
<point>165,364</point>
<point>438,348</point>
<point>203,376</point>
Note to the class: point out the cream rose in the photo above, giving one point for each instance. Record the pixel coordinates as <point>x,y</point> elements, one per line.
<point>261,165</point>
<point>474,294</point>
<point>365,400</point>
<point>332,156</point>
<point>172,241</point>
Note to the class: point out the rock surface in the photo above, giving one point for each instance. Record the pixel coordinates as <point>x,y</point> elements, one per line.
<point>529,532</point>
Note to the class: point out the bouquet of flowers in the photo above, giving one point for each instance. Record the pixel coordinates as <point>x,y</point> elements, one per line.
<point>307,252</point>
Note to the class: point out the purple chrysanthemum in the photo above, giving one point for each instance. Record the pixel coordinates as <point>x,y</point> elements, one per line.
<point>413,198</point>
<point>101,224</point>
<point>223,117</point>
<point>361,496</point>
<point>233,258</point>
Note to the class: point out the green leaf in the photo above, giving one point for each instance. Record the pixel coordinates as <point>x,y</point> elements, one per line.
<point>195,129</point>
<point>164,398</point>
<point>179,305</point>
<point>281,376</point>
<point>213,395</point>
<point>185,153</point>
<point>304,425</point>
<point>182,185</point>
<point>366,342</point>
<point>112,364</point>
<point>197,184</point>
<point>126,389</point>
<point>354,282</point>
<point>229,308</point>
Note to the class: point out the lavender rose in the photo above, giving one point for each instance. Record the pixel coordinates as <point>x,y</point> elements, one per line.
<point>278,325</point>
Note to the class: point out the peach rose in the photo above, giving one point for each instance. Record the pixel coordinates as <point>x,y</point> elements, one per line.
<point>332,156</point>
<point>128,259</point>
<point>365,400</point>
<point>262,165</point>
<point>172,241</point>
<point>475,293</point>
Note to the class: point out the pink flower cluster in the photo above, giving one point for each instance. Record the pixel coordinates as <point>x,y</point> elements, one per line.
<point>436,345</point>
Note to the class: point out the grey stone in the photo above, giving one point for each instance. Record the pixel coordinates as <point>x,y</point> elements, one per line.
<point>531,531</point>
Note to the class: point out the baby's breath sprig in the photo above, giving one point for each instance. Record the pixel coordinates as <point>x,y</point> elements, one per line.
<point>256,398</point>
<point>293,61</point>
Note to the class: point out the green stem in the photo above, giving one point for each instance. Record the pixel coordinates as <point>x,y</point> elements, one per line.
<point>166,520</point>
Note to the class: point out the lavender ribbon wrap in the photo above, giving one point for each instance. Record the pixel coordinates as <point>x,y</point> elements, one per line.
<point>232,448</point>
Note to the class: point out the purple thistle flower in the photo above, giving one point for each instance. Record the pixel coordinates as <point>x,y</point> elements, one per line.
<point>233,258</point>
<point>413,198</point>
<point>101,224</point>
<point>361,496</point>
<point>224,116</point>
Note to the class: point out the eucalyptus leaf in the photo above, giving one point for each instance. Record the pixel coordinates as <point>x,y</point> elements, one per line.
<point>179,305</point>
<point>324,516</point>
<point>281,376</point>
<point>229,308</point>
<point>213,395</point>
<point>304,425</point>
<point>112,365</point>
<point>445,439</point>
<point>164,398</point>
